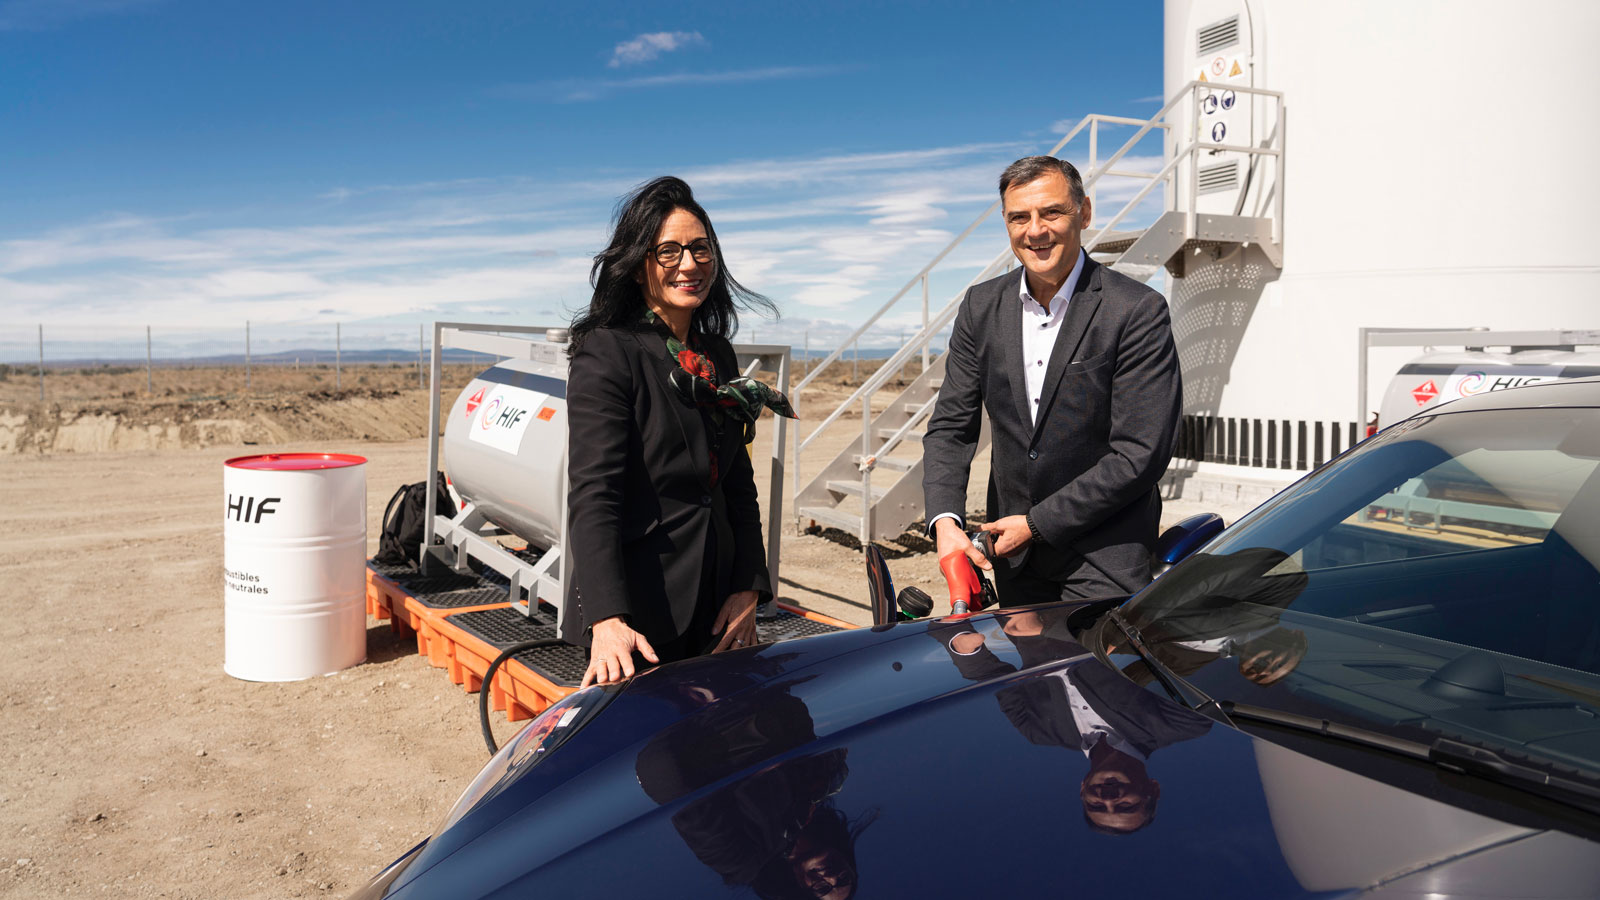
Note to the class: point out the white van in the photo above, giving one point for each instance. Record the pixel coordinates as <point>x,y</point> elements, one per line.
<point>1435,378</point>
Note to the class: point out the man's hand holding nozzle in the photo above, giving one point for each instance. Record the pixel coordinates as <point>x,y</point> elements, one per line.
<point>1011,535</point>
<point>949,538</point>
<point>965,589</point>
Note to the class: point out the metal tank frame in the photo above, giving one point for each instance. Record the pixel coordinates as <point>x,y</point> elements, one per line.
<point>466,535</point>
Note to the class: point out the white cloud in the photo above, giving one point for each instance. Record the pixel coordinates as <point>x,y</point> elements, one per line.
<point>829,238</point>
<point>647,47</point>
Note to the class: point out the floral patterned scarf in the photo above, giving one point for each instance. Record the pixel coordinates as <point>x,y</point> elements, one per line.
<point>739,398</point>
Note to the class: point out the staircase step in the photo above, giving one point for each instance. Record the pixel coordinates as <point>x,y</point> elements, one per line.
<point>853,488</point>
<point>886,433</point>
<point>832,518</point>
<point>889,462</point>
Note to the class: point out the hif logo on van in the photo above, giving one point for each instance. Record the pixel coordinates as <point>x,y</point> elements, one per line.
<point>1479,382</point>
<point>1471,383</point>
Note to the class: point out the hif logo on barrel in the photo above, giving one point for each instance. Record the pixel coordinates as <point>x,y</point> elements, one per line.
<point>247,510</point>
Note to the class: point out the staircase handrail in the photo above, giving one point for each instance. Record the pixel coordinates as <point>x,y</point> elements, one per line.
<point>935,323</point>
<point>1094,176</point>
<point>900,357</point>
<point>1105,230</point>
<point>893,440</point>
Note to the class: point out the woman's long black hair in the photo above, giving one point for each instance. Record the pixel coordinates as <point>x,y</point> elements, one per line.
<point>618,298</point>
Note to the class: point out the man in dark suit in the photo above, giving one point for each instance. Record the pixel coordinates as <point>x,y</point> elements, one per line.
<point>1076,367</point>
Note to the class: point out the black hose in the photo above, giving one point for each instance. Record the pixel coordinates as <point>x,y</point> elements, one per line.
<point>488,679</point>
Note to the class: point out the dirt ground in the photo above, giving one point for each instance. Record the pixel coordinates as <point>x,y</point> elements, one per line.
<point>135,765</point>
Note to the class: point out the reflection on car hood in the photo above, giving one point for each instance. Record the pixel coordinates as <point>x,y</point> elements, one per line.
<point>916,769</point>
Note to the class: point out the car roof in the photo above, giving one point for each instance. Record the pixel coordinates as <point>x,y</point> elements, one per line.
<point>1571,392</point>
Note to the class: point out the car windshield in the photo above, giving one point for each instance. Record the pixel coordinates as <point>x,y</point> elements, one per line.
<point>1440,579</point>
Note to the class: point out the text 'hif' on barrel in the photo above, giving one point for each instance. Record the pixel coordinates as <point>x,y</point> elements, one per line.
<point>294,565</point>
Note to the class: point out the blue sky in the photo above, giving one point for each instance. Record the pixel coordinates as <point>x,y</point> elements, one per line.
<point>191,165</point>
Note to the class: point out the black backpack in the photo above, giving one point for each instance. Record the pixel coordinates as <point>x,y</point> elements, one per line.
<point>403,521</point>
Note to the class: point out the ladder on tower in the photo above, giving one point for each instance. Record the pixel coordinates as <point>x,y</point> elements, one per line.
<point>872,487</point>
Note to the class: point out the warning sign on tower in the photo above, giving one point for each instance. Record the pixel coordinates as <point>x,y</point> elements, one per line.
<point>1236,71</point>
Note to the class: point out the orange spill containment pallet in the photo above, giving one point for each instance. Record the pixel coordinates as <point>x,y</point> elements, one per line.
<point>462,622</point>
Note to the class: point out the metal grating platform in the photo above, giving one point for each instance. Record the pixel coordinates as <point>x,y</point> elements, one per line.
<point>787,626</point>
<point>442,633</point>
<point>393,573</point>
<point>500,628</point>
<point>562,665</point>
<point>415,582</point>
<point>479,596</point>
<point>444,590</point>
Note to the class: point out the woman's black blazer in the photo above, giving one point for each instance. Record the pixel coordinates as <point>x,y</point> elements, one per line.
<point>641,506</point>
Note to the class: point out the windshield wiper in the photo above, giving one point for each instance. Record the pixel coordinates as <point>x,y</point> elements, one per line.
<point>1545,778</point>
<point>1313,724</point>
<point>1503,766</point>
<point>1179,689</point>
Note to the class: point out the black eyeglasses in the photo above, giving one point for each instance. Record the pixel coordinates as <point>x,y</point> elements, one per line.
<point>670,253</point>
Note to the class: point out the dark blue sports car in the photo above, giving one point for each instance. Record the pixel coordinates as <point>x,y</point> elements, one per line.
<point>1384,681</point>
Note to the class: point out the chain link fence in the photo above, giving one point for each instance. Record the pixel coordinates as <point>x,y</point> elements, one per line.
<point>123,361</point>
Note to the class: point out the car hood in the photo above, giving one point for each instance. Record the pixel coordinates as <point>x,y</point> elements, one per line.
<point>934,759</point>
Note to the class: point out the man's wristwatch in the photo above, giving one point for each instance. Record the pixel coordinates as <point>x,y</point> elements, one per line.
<point>1033,529</point>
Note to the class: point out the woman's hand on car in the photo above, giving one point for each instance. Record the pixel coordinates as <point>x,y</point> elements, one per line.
<point>611,652</point>
<point>736,622</point>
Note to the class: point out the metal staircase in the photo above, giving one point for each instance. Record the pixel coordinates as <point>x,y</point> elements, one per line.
<point>872,488</point>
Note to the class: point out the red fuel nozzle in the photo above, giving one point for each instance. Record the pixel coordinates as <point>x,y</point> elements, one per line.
<point>966,592</point>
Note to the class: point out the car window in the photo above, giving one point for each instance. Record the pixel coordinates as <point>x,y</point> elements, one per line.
<point>1484,499</point>
<point>1439,537</point>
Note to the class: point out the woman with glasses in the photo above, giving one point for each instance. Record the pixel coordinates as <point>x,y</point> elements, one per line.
<point>664,529</point>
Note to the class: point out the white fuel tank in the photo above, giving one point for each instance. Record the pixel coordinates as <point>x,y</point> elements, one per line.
<point>505,444</point>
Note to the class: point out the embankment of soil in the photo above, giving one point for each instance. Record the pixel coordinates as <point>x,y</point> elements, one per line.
<point>169,424</point>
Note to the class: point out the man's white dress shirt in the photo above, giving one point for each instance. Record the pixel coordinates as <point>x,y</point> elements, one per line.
<point>1039,329</point>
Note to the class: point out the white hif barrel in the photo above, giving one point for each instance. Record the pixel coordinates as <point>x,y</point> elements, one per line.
<point>294,565</point>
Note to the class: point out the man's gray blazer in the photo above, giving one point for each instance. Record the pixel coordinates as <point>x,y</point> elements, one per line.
<point>1108,416</point>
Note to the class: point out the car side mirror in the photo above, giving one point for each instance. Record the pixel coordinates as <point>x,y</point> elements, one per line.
<point>1178,542</point>
<point>880,587</point>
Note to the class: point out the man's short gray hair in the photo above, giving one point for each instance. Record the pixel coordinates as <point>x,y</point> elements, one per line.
<point>1030,168</point>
